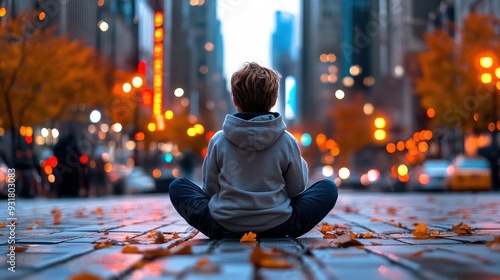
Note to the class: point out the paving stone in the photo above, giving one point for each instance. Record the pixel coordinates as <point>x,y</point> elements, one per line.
<point>137,228</point>
<point>375,272</point>
<point>52,238</point>
<point>383,228</point>
<point>229,271</point>
<point>106,263</point>
<point>175,228</point>
<point>295,273</point>
<point>39,256</point>
<point>428,241</point>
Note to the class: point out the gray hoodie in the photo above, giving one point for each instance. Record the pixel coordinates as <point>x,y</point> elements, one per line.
<point>252,169</point>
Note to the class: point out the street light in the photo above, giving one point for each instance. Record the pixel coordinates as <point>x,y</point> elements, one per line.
<point>490,75</point>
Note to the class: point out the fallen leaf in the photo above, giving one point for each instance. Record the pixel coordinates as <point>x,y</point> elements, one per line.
<point>494,244</point>
<point>131,250</point>
<point>56,215</point>
<point>29,228</point>
<point>175,235</point>
<point>392,210</point>
<point>329,235</point>
<point>159,239</point>
<point>261,258</point>
<point>204,265</point>
<point>272,263</point>
<point>421,252</point>
<point>106,232</point>
<point>184,250</point>
<point>85,276</point>
<point>399,225</point>
<point>20,248</point>
<point>98,211</point>
<point>152,234</point>
<point>352,235</point>
<point>326,227</point>
<point>249,237</point>
<point>345,241</point>
<point>375,220</point>
<point>2,224</point>
<point>38,223</point>
<point>157,253</point>
<point>462,229</point>
<point>349,209</point>
<point>421,231</point>
<point>368,235</point>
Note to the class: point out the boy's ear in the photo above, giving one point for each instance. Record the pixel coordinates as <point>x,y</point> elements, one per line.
<point>235,103</point>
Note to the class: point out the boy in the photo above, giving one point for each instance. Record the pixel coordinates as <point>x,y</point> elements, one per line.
<point>254,177</point>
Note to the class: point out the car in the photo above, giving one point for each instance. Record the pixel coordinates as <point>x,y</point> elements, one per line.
<point>138,181</point>
<point>468,174</point>
<point>430,176</point>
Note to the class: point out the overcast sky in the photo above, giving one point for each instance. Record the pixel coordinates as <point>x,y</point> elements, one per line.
<point>247,27</point>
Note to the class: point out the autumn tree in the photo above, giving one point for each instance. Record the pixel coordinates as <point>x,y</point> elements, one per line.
<point>44,77</point>
<point>450,79</point>
<point>350,127</point>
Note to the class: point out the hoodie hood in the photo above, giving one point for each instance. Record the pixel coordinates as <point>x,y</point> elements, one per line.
<point>253,134</point>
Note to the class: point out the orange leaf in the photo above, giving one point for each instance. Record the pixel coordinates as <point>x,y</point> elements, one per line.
<point>249,237</point>
<point>375,220</point>
<point>106,232</point>
<point>131,250</point>
<point>29,228</point>
<point>160,239</point>
<point>368,235</point>
<point>184,250</point>
<point>346,240</point>
<point>85,276</point>
<point>392,210</point>
<point>494,244</point>
<point>326,227</point>
<point>352,235</point>
<point>421,231</point>
<point>204,265</point>
<point>329,235</point>
<point>175,235</point>
<point>56,214</point>
<point>2,224</point>
<point>272,263</point>
<point>462,229</point>
<point>157,253</point>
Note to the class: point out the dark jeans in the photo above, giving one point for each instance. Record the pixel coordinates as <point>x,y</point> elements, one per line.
<point>309,208</point>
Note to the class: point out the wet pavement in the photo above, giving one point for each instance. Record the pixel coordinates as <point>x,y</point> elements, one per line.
<point>382,245</point>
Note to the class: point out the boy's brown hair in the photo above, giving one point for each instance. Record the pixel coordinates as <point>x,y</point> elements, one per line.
<point>255,88</point>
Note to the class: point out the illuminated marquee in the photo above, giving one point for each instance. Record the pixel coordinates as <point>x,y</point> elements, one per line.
<point>158,70</point>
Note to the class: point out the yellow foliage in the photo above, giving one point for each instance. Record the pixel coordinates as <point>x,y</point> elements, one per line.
<point>450,81</point>
<point>44,76</point>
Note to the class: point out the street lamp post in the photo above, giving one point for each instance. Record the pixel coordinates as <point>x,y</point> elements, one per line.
<point>490,75</point>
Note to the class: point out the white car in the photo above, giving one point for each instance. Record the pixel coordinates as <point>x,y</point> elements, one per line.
<point>138,181</point>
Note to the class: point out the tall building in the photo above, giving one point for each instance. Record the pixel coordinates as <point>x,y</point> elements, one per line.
<point>463,7</point>
<point>285,61</point>
<point>195,70</point>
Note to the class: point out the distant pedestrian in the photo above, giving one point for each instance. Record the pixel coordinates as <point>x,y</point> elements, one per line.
<point>69,170</point>
<point>254,177</point>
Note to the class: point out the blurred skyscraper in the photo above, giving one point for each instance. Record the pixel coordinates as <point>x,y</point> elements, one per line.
<point>195,61</point>
<point>285,61</point>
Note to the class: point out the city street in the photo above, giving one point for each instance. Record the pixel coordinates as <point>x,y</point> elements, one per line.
<point>114,237</point>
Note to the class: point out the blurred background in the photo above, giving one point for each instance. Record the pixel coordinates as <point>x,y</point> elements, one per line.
<point>110,97</point>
